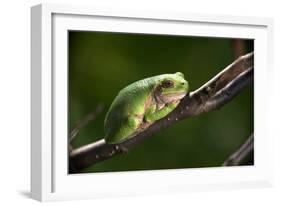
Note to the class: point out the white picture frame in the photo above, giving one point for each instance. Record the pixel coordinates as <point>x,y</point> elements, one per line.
<point>49,178</point>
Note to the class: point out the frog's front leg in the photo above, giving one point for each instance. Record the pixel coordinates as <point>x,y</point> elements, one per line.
<point>152,114</point>
<point>134,121</point>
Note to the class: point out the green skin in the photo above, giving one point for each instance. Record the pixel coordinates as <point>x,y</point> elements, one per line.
<point>140,104</point>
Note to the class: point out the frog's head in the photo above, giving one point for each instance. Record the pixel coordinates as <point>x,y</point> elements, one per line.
<point>171,87</point>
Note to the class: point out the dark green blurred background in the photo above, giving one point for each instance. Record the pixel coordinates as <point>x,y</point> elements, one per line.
<point>101,64</point>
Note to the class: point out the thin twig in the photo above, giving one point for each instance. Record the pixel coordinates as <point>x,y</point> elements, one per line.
<point>83,122</point>
<point>215,93</point>
<point>243,153</point>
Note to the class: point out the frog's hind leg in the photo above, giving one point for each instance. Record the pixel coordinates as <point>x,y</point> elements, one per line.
<point>129,127</point>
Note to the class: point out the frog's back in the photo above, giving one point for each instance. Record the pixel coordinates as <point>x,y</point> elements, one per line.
<point>130,101</point>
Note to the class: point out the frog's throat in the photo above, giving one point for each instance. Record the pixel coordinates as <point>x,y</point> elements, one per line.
<point>167,98</point>
<point>172,97</point>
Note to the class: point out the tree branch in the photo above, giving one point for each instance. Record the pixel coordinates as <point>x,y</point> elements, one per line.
<point>242,154</point>
<point>230,91</point>
<point>214,94</point>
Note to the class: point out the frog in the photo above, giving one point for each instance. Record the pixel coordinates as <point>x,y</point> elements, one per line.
<point>140,104</point>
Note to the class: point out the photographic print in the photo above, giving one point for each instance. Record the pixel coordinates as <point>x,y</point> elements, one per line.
<point>122,100</point>
<point>151,102</point>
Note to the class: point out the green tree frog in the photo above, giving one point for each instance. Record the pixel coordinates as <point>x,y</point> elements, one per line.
<point>141,103</point>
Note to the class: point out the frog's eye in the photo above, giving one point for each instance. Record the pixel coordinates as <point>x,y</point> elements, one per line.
<point>167,84</point>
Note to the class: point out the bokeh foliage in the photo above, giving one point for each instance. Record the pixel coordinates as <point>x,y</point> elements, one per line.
<point>100,64</point>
